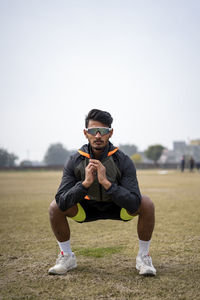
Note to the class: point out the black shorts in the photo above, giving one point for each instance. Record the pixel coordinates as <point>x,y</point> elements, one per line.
<point>89,210</point>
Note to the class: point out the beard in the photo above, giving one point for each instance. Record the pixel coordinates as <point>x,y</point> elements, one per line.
<point>98,145</point>
<point>98,148</point>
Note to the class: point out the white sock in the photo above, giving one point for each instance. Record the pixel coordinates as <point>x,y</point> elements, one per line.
<point>144,247</point>
<point>65,247</point>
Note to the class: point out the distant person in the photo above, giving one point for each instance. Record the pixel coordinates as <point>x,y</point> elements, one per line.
<point>198,165</point>
<point>99,182</point>
<point>191,164</point>
<point>183,163</point>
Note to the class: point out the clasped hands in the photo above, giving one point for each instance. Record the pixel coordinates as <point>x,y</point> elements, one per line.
<point>95,167</point>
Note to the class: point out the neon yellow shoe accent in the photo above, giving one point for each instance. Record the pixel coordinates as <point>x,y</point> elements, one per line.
<point>124,215</point>
<point>81,215</point>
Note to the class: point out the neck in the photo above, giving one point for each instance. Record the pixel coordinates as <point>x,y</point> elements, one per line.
<point>97,153</point>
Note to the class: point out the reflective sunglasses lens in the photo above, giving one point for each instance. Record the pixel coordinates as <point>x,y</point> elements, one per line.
<point>91,131</point>
<point>94,131</point>
<point>104,131</point>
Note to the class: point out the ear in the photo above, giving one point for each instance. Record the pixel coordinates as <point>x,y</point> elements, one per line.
<point>85,133</point>
<point>111,133</point>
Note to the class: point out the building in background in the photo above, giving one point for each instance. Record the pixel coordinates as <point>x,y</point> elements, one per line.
<point>195,142</point>
<point>180,148</point>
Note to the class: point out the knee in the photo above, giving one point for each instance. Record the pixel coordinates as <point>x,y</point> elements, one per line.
<point>53,209</point>
<point>147,204</point>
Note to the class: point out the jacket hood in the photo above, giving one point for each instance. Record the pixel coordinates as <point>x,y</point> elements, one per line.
<point>86,150</point>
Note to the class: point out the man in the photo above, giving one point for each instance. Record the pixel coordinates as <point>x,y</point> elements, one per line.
<point>183,163</point>
<point>99,182</point>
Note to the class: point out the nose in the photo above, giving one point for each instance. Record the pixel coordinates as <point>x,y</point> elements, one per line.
<point>98,134</point>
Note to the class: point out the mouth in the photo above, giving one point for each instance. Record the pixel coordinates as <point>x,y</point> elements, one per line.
<point>98,142</point>
<point>98,145</point>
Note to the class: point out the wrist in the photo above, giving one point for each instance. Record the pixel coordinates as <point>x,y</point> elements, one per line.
<point>86,184</point>
<point>106,184</point>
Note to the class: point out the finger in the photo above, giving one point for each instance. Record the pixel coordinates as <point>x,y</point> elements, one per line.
<point>92,165</point>
<point>91,168</point>
<point>95,161</point>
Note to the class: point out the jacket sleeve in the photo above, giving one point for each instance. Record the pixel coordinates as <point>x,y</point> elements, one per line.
<point>126,194</point>
<point>70,190</point>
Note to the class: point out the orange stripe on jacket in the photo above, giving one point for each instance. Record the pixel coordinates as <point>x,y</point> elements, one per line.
<point>112,152</point>
<point>84,153</point>
<point>88,155</point>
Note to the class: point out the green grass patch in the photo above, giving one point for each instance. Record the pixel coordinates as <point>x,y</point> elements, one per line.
<point>98,252</point>
<point>105,249</point>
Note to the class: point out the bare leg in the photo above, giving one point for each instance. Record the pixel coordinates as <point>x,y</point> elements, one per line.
<point>58,220</point>
<point>146,219</point>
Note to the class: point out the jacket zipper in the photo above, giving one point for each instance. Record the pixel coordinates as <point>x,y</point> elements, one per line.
<point>100,190</point>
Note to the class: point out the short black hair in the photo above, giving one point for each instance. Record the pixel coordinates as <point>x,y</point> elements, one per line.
<point>100,116</point>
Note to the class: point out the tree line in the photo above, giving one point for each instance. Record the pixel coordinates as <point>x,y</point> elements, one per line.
<point>7,159</point>
<point>57,154</point>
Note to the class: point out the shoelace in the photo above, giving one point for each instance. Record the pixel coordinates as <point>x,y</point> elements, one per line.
<point>147,260</point>
<point>60,258</point>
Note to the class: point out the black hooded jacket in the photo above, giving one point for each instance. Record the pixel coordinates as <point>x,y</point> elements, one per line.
<point>125,193</point>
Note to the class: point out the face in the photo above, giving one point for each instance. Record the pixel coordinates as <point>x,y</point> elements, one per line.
<point>97,142</point>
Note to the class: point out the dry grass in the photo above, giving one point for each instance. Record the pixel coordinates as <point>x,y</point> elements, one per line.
<point>105,250</point>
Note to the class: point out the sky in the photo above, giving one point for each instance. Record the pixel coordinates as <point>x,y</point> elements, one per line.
<point>139,60</point>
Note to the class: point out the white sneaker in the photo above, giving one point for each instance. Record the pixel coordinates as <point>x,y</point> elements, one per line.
<point>64,263</point>
<point>144,265</point>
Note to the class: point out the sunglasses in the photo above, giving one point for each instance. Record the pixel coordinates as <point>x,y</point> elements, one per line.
<point>101,130</point>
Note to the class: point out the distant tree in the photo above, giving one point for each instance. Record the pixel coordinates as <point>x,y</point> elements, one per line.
<point>7,159</point>
<point>26,163</point>
<point>154,152</point>
<point>56,155</point>
<point>136,158</point>
<point>128,149</point>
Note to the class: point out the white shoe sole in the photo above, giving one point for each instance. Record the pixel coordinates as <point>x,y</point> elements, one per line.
<point>54,272</point>
<point>145,272</point>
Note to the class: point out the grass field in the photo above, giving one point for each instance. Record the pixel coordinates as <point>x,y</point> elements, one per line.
<point>105,250</point>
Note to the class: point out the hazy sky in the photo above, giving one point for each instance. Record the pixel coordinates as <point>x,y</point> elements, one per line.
<point>139,60</point>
